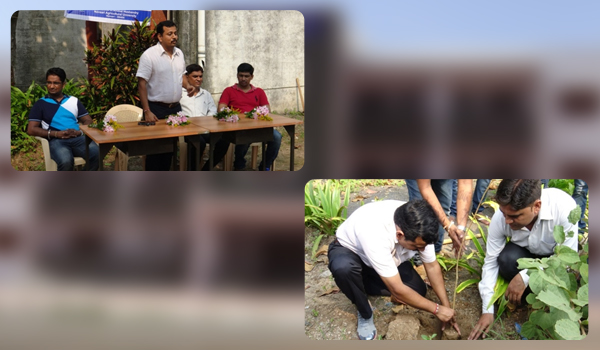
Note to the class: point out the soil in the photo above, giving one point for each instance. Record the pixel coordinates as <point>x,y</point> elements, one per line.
<point>329,314</point>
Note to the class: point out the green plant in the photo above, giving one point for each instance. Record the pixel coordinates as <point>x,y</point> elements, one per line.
<point>315,312</point>
<point>112,66</point>
<point>324,208</point>
<point>566,185</point>
<point>428,337</point>
<point>559,286</point>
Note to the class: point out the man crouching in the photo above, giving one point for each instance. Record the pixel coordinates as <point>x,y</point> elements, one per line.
<point>371,256</point>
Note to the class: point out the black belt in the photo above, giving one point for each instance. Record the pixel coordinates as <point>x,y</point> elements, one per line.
<point>168,105</point>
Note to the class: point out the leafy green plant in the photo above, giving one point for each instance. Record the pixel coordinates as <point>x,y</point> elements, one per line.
<point>428,337</point>
<point>566,185</point>
<point>112,66</point>
<point>559,286</point>
<point>324,208</point>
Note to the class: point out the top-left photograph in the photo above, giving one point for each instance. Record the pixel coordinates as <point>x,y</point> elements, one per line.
<point>157,90</point>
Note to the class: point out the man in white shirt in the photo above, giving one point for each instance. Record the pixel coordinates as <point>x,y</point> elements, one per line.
<point>200,104</point>
<point>160,78</point>
<point>371,254</point>
<point>527,216</point>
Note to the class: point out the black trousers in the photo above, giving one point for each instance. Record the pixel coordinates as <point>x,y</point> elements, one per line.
<point>507,263</point>
<point>162,161</point>
<point>357,280</point>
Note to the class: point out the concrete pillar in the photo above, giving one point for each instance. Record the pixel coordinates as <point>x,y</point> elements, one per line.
<point>187,29</point>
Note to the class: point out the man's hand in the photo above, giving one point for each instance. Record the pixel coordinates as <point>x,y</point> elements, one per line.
<point>445,314</point>
<point>453,323</point>
<point>191,90</point>
<point>458,238</point>
<point>515,290</point>
<point>150,117</point>
<point>482,327</point>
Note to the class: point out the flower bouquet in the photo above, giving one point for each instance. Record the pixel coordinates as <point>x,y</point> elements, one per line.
<point>177,119</point>
<point>108,124</point>
<point>227,114</point>
<point>260,113</point>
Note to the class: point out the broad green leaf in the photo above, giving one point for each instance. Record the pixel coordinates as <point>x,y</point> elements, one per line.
<point>465,284</point>
<point>568,330</point>
<point>530,263</point>
<point>529,330</point>
<point>583,295</point>
<point>567,255</point>
<point>584,272</point>
<point>559,234</point>
<point>574,215</point>
<point>559,302</point>
<point>542,319</point>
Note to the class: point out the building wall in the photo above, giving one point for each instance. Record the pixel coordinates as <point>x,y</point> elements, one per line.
<point>271,41</point>
<point>45,39</point>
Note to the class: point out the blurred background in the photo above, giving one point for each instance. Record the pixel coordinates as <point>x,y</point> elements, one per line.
<point>393,90</point>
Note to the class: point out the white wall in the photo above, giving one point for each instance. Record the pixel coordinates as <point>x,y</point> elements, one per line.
<point>271,41</point>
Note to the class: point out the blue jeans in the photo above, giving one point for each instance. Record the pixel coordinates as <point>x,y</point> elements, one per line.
<point>443,192</point>
<point>271,153</point>
<point>63,151</point>
<point>480,188</point>
<point>580,195</point>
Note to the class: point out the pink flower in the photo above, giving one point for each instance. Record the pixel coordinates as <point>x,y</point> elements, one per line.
<point>108,128</point>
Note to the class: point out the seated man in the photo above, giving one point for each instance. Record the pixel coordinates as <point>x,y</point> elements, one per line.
<point>200,104</point>
<point>56,117</point>
<point>527,216</point>
<point>245,97</point>
<point>371,254</point>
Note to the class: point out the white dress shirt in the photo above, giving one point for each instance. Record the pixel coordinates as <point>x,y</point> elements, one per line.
<point>370,232</point>
<point>163,74</point>
<point>199,105</point>
<point>556,206</point>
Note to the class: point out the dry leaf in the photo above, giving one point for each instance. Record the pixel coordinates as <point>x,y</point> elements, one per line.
<point>358,198</point>
<point>398,308</point>
<point>330,291</point>
<point>369,191</point>
<point>322,250</point>
<point>308,266</point>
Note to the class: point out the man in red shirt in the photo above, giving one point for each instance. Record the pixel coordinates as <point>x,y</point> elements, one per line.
<point>245,97</point>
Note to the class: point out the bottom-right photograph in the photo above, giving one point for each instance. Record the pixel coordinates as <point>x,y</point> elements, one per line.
<point>446,259</point>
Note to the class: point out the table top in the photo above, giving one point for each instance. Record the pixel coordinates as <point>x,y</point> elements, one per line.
<point>131,131</point>
<point>213,125</point>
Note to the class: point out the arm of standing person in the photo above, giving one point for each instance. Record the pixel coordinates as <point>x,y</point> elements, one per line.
<point>143,92</point>
<point>434,273</point>
<point>463,205</point>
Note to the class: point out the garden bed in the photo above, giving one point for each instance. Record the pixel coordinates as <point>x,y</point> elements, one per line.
<point>329,314</point>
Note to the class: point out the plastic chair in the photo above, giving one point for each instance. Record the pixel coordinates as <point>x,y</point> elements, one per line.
<point>50,163</point>
<point>124,113</point>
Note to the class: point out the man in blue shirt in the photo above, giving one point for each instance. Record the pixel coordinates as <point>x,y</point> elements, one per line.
<point>56,117</point>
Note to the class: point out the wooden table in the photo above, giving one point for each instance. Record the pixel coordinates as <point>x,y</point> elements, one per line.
<point>247,130</point>
<point>138,140</point>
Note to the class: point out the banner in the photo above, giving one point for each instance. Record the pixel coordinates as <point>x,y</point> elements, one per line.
<point>119,17</point>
